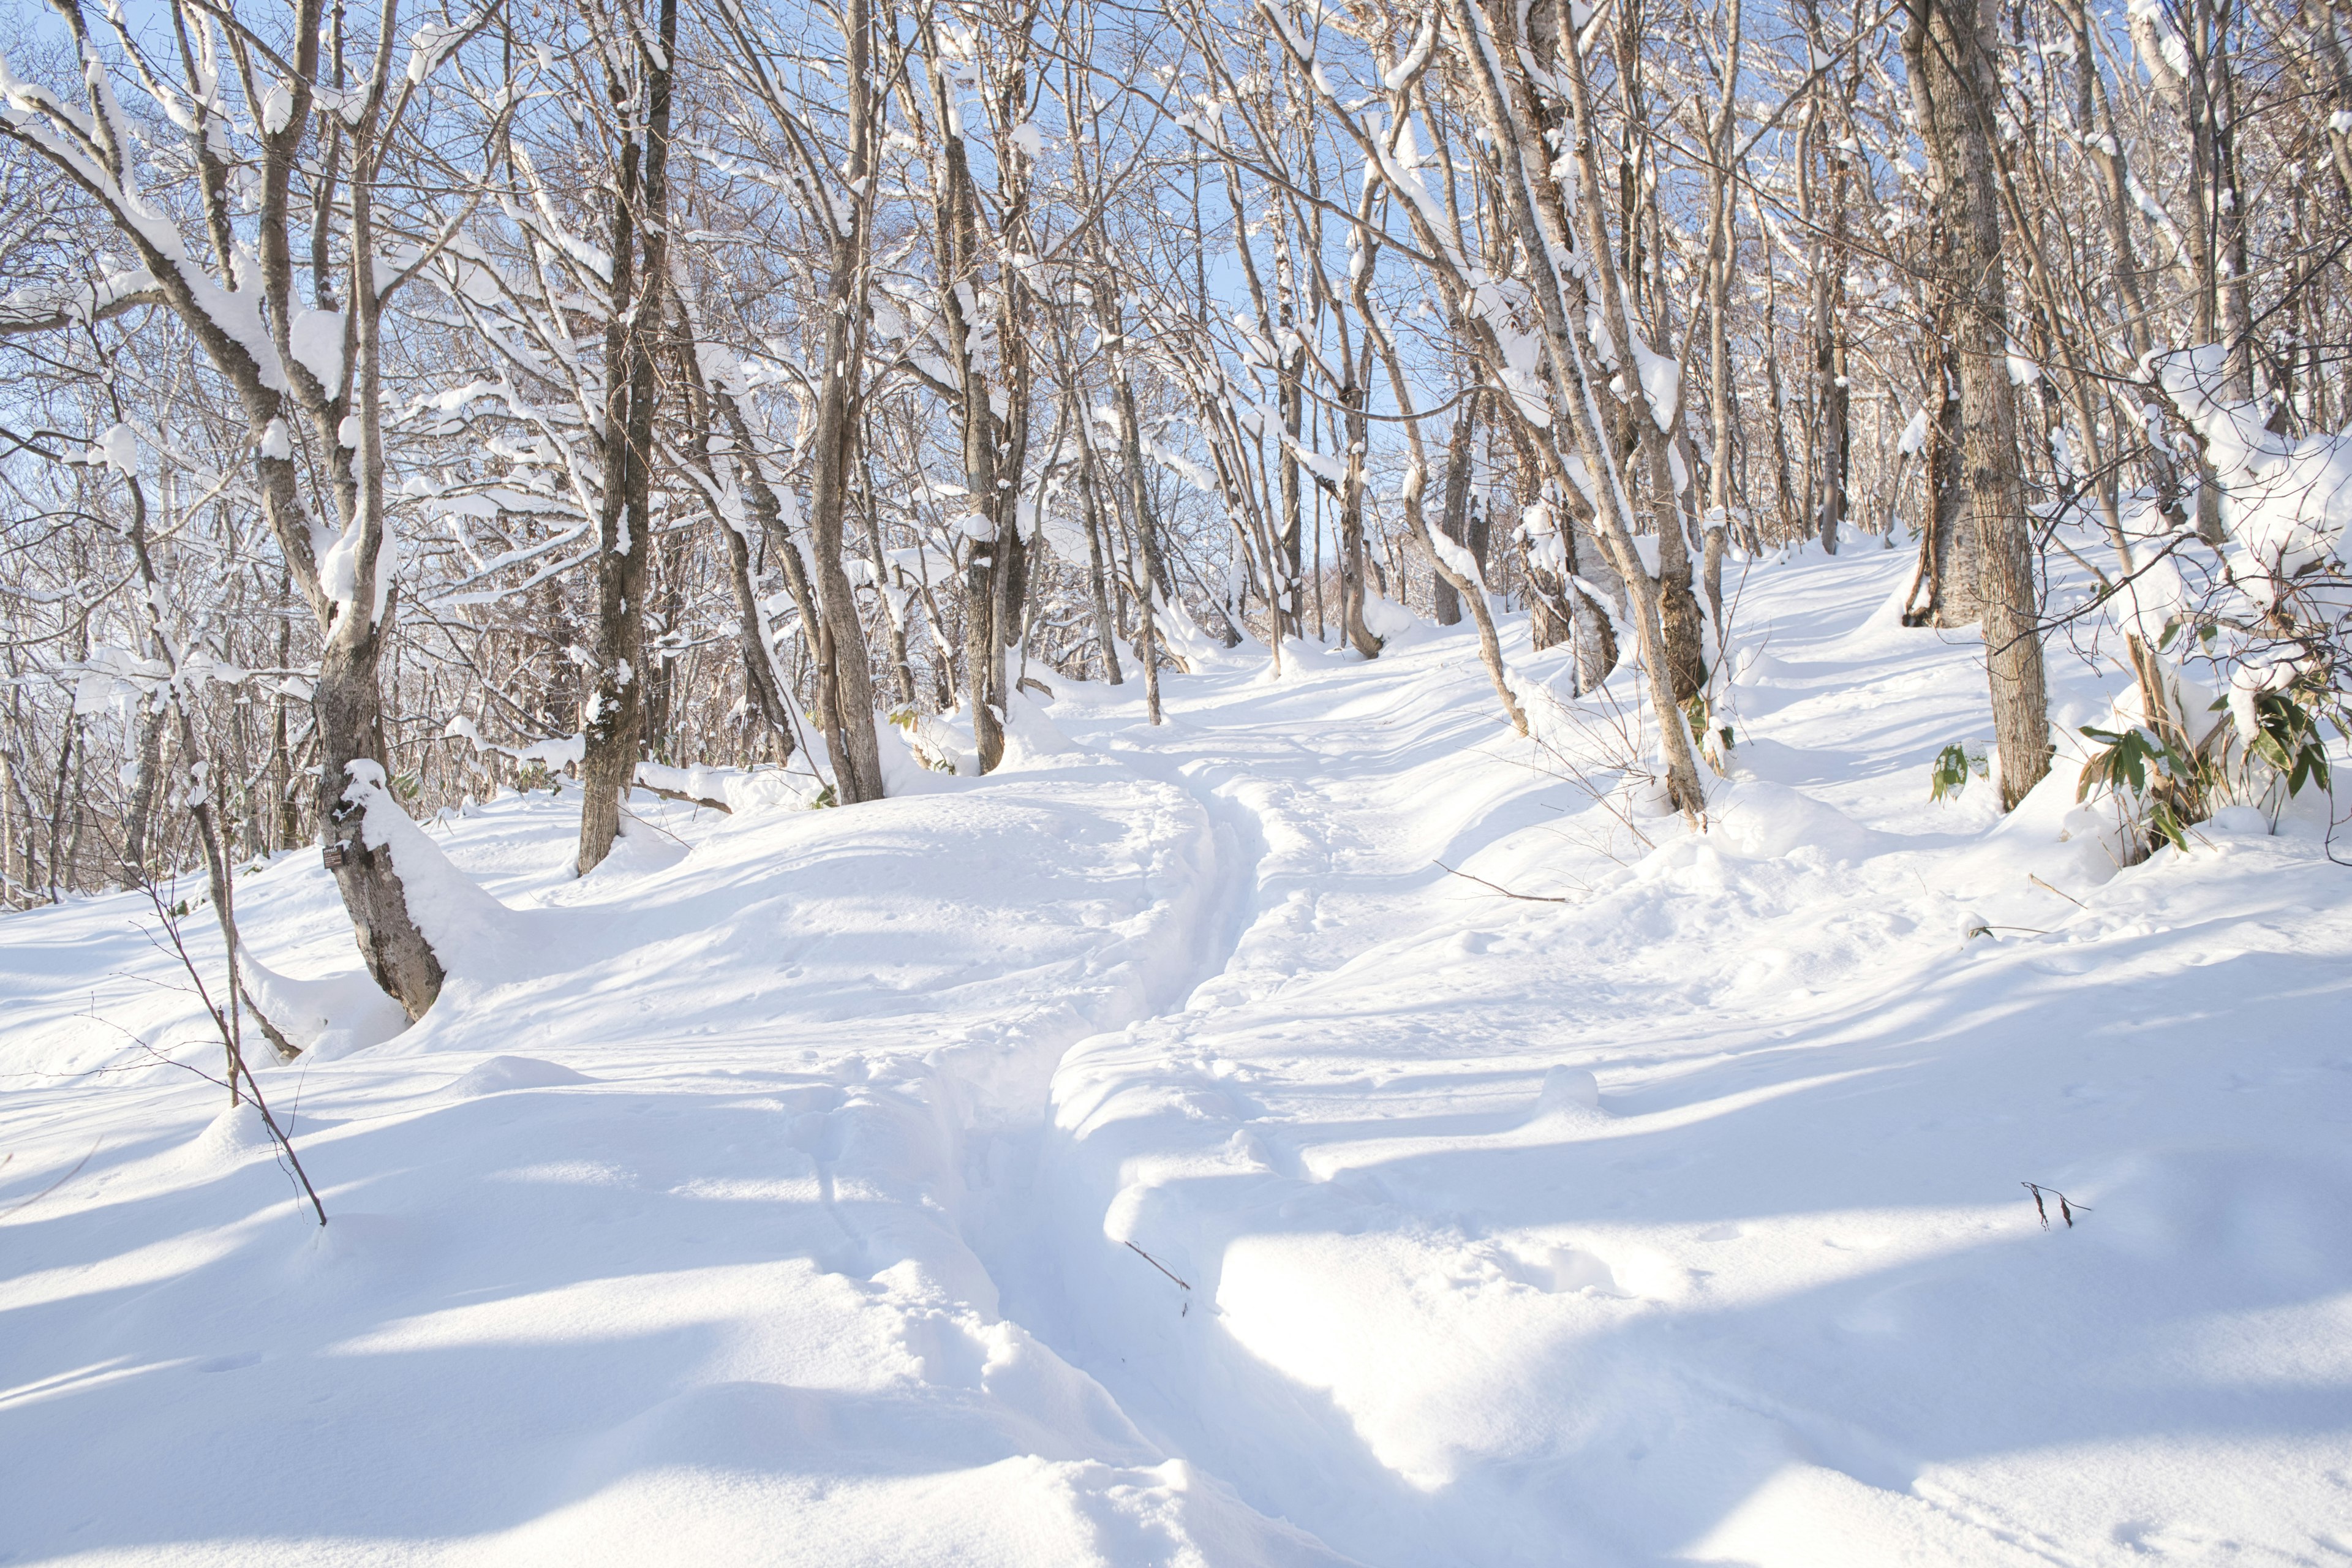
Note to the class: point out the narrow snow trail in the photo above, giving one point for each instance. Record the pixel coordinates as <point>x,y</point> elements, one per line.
<point>648,1247</point>
<point>1332,841</point>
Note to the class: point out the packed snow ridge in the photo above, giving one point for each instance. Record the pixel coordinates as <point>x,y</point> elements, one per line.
<point>1323,1128</point>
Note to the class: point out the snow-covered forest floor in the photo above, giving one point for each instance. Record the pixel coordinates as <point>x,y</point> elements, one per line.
<point>1150,1154</point>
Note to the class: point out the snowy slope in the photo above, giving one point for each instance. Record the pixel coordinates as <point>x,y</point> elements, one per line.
<point>1150,1154</point>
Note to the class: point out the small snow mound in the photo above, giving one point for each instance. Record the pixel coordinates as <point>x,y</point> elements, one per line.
<point>1649,798</point>
<point>1767,821</point>
<point>641,848</point>
<point>334,1045</point>
<point>1030,737</point>
<point>1388,620</point>
<point>501,1074</point>
<point>327,1018</point>
<point>1889,612</point>
<point>1561,1270</point>
<point>770,789</point>
<point>1567,1089</point>
<point>739,1424</point>
<point>1194,651</point>
<point>2051,835</point>
<point>2243,820</point>
<point>231,1137</point>
<point>737,789</point>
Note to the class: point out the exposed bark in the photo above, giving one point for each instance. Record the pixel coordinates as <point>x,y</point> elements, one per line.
<point>1452,519</point>
<point>838,434</point>
<point>613,706</point>
<point>143,799</point>
<point>1949,47</point>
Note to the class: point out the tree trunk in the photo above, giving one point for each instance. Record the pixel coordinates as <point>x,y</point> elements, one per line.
<point>1146,529</point>
<point>1453,515</point>
<point>1098,581</point>
<point>143,799</point>
<point>1948,526</point>
<point>892,598</point>
<point>613,706</point>
<point>1950,46</point>
<point>1351,525</point>
<point>839,431</point>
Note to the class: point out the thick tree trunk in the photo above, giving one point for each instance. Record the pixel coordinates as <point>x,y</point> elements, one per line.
<point>1550,621</point>
<point>761,679</point>
<point>857,750</point>
<point>1955,594</point>
<point>1829,369</point>
<point>1683,624</point>
<point>1950,46</point>
<point>1596,635</point>
<point>892,598</point>
<point>348,703</point>
<point>287,817</point>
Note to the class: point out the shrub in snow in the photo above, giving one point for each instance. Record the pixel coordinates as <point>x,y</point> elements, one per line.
<point>2271,623</point>
<point>2266,756</point>
<point>1953,767</point>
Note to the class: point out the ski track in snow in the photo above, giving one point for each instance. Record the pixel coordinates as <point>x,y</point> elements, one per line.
<point>1149,1155</point>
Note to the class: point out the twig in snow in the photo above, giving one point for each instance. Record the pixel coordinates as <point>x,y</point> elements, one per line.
<point>53,1186</point>
<point>1530,898</point>
<point>657,827</point>
<point>2065,1209</point>
<point>2048,888</point>
<point>237,1064</point>
<point>1972,928</point>
<point>683,798</point>
<point>1154,1262</point>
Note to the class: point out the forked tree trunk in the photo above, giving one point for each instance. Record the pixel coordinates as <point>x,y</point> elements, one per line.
<point>840,427</point>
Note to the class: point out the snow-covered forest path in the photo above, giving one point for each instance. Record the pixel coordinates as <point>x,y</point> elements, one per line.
<point>1150,1154</point>
<point>1766,1299</point>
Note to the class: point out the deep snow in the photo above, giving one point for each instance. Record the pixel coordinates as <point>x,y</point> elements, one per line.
<point>1149,1154</point>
